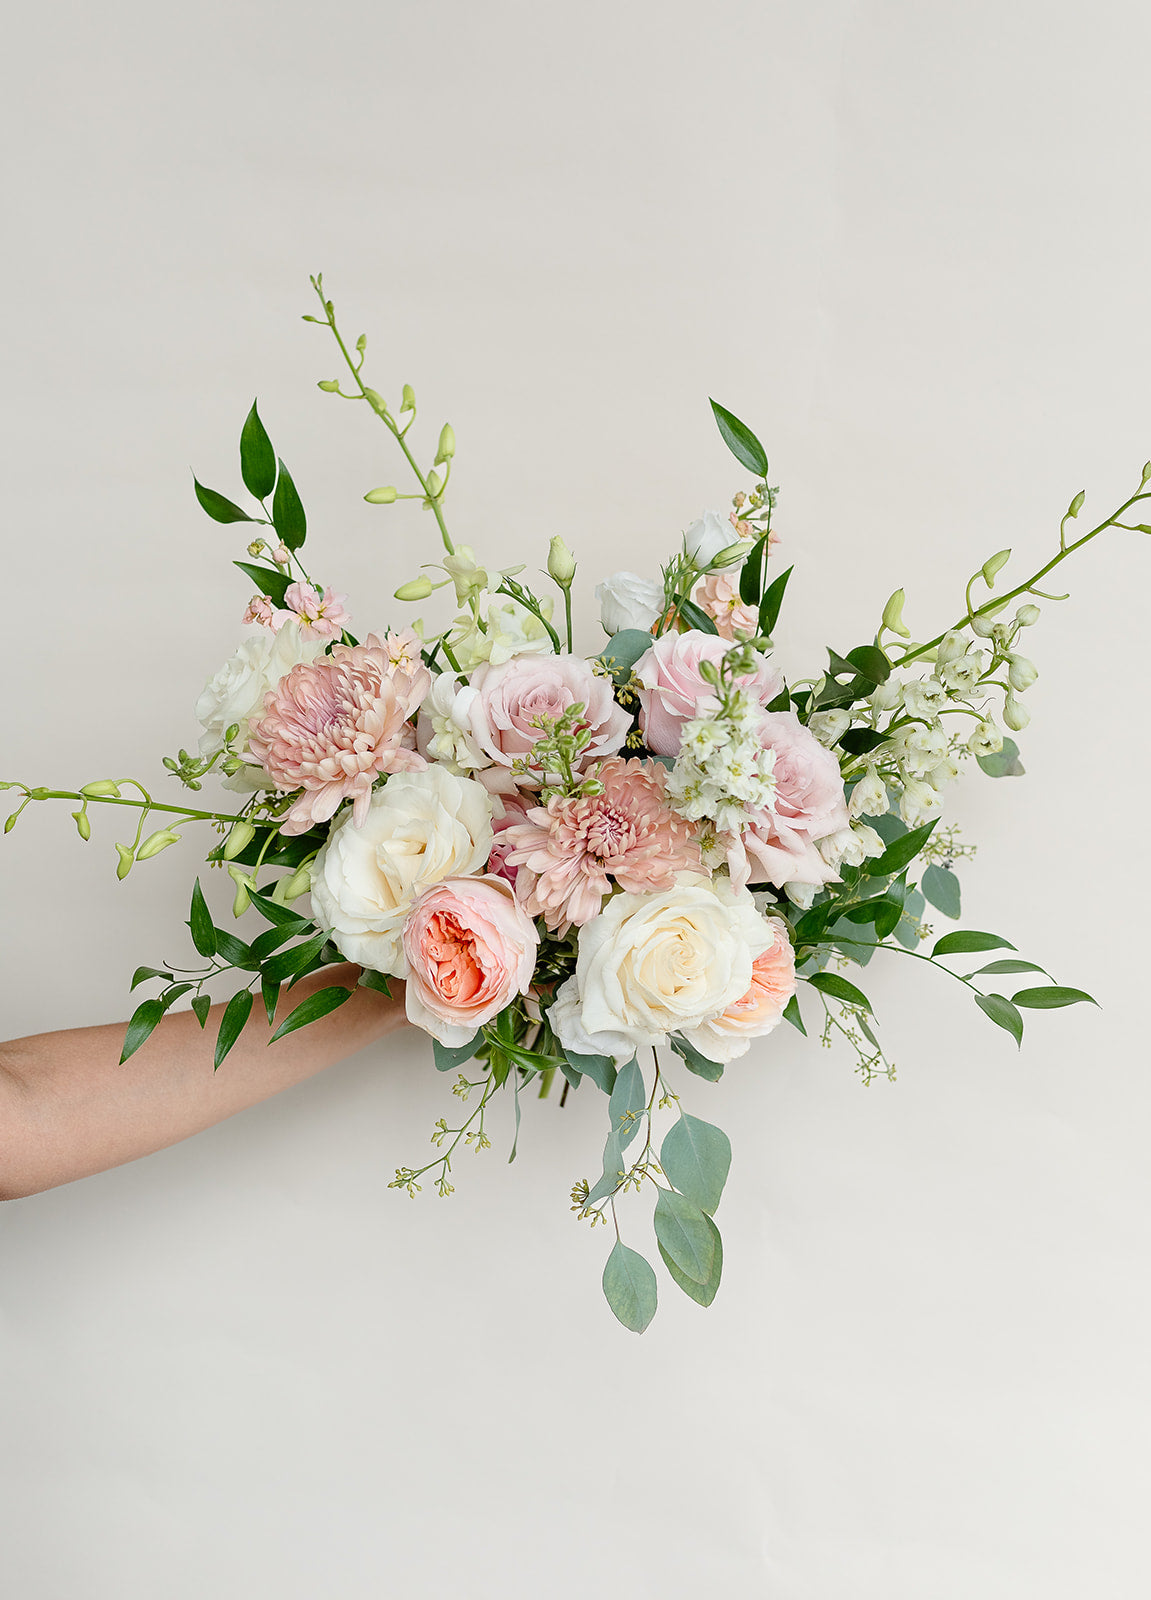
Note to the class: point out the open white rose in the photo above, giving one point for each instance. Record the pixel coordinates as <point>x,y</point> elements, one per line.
<point>654,964</point>
<point>421,827</point>
<point>236,693</point>
<point>628,601</point>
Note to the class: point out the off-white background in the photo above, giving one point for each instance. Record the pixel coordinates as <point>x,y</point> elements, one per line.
<point>909,243</point>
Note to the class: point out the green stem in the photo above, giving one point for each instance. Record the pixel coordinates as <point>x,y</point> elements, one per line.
<point>902,950</point>
<point>147,805</point>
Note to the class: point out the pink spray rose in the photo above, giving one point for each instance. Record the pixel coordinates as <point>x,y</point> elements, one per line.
<point>320,616</point>
<point>569,850</point>
<point>470,949</point>
<point>778,846</point>
<point>674,689</point>
<point>333,724</point>
<point>718,595</point>
<point>510,809</point>
<point>501,708</point>
<point>728,1035</point>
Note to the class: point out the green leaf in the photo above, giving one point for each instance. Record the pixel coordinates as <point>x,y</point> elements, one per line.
<point>696,618</point>
<point>218,506</point>
<point>696,1158</point>
<point>740,440</point>
<point>282,916</point>
<point>702,1293</point>
<point>751,573</point>
<point>142,974</point>
<point>200,923</point>
<point>375,980</point>
<point>1004,763</point>
<point>145,1017</point>
<point>890,913</point>
<point>272,583</point>
<point>965,943</point>
<point>312,1009</point>
<point>792,1014</point>
<point>600,1069</point>
<point>839,989</point>
<point>870,661</point>
<point>941,887</point>
<point>449,1056</point>
<point>1002,1012</point>
<point>878,909</point>
<point>270,995</point>
<point>236,1014</point>
<point>771,604</point>
<point>900,853</point>
<point>694,1061</point>
<point>288,963</point>
<point>170,996</point>
<point>629,1287</point>
<point>257,458</point>
<point>623,650</point>
<point>235,951</point>
<point>288,511</point>
<point>860,741</point>
<point>1048,998</point>
<point>201,1005</point>
<point>628,1099</point>
<point>271,939</point>
<point>682,1230</point>
<point>998,967</point>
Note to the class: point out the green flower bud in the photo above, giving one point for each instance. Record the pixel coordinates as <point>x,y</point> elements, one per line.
<point>993,564</point>
<point>329,385</point>
<point>104,788</point>
<point>447,448</point>
<point>10,821</point>
<point>418,589</point>
<point>435,484</point>
<point>729,555</point>
<point>126,859</point>
<point>257,547</point>
<point>243,882</point>
<point>377,402</point>
<point>155,842</point>
<point>561,563</point>
<point>381,497</point>
<point>299,883</point>
<point>83,826</point>
<point>239,839</point>
<point>893,615</point>
<point>408,400</point>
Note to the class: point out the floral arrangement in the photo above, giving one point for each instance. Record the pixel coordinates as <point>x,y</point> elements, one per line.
<point>598,862</point>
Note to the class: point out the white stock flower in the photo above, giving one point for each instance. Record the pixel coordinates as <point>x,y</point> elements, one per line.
<point>236,693</point>
<point>706,537</point>
<point>962,674</point>
<point>919,748</point>
<point>924,697</point>
<point>801,894</point>
<point>869,797</point>
<point>628,601</point>
<point>653,964</point>
<point>851,847</point>
<point>946,772</point>
<point>919,802</point>
<point>511,630</point>
<point>421,827</point>
<point>829,726</point>
<point>986,740</point>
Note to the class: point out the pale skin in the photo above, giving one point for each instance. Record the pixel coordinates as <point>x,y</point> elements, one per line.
<point>68,1108</point>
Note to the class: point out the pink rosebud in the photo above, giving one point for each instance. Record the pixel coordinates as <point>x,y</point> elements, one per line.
<point>471,949</point>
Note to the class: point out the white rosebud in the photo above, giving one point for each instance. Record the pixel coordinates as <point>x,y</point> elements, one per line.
<point>986,740</point>
<point>829,726</point>
<point>869,797</point>
<point>1016,716</point>
<point>1021,673</point>
<point>1027,616</point>
<point>561,562</point>
<point>950,646</point>
<point>924,697</point>
<point>628,601</point>
<point>707,537</point>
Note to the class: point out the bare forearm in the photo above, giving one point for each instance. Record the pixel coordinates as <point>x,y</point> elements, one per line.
<point>68,1108</point>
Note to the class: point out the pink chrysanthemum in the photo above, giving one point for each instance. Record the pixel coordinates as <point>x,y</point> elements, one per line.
<point>320,616</point>
<point>333,724</point>
<point>569,850</point>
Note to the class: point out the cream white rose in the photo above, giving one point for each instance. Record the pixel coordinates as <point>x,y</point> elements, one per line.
<point>421,827</point>
<point>236,693</point>
<point>628,601</point>
<point>654,964</point>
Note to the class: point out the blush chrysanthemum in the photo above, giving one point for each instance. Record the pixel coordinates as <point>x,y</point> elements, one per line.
<point>570,850</point>
<point>333,724</point>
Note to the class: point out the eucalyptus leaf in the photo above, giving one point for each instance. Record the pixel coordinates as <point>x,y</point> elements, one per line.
<point>449,1056</point>
<point>614,1168</point>
<point>627,1103</point>
<point>941,887</point>
<point>1005,763</point>
<point>600,1069</point>
<point>694,1061</point>
<point>702,1293</point>
<point>623,650</point>
<point>681,1228</point>
<point>629,1287</point>
<point>696,1158</point>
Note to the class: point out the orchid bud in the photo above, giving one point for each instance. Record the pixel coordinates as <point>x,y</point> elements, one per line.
<point>435,484</point>
<point>155,842</point>
<point>381,497</point>
<point>239,839</point>
<point>299,883</point>
<point>447,445</point>
<point>408,400</point>
<point>561,563</point>
<point>377,402</point>
<point>83,826</point>
<point>104,789</point>
<point>244,883</point>
<point>951,646</point>
<point>1027,616</point>
<point>417,589</point>
<point>329,385</point>
<point>125,863</point>
<point>994,564</point>
<point>1021,673</point>
<point>1016,716</point>
<point>893,615</point>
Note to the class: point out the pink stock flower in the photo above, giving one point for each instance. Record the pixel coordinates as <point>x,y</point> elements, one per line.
<point>718,595</point>
<point>569,850</point>
<point>261,610</point>
<point>778,846</point>
<point>333,724</point>
<point>500,710</point>
<point>470,949</point>
<point>757,1012</point>
<point>320,616</point>
<point>674,689</point>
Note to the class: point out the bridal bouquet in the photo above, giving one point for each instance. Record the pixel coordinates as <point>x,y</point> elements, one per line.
<point>600,860</point>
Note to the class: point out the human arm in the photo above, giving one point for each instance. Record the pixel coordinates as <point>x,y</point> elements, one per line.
<point>68,1108</point>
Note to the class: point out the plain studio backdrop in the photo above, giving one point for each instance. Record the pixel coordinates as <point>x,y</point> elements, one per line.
<point>908,243</point>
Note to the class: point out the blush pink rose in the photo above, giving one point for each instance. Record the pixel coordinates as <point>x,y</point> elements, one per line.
<point>757,1012</point>
<point>779,846</point>
<point>470,949</point>
<point>501,708</point>
<point>674,690</point>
